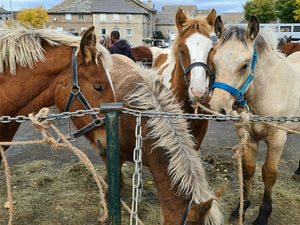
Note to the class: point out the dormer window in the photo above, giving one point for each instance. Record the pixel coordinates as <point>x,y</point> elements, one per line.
<point>68,16</point>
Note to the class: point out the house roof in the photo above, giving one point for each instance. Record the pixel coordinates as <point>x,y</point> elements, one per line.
<point>3,11</point>
<point>167,15</point>
<point>232,18</point>
<point>95,6</point>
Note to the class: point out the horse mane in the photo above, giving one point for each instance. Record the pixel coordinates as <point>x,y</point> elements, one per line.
<point>23,47</point>
<point>172,135</point>
<point>265,41</point>
<point>192,24</point>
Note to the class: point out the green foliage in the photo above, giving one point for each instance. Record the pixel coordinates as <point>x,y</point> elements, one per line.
<point>35,17</point>
<point>285,10</point>
<point>262,9</point>
<point>158,35</point>
<point>297,11</point>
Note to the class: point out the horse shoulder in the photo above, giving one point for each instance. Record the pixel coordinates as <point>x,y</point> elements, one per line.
<point>160,60</point>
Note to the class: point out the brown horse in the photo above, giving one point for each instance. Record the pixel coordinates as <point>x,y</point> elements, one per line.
<point>290,47</point>
<point>142,54</point>
<point>184,70</point>
<point>36,72</point>
<point>168,148</point>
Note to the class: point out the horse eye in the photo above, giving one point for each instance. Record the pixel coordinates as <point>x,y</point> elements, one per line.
<point>98,88</point>
<point>244,67</point>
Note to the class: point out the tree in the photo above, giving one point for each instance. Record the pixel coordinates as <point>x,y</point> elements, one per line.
<point>35,17</point>
<point>297,11</point>
<point>285,10</point>
<point>262,9</point>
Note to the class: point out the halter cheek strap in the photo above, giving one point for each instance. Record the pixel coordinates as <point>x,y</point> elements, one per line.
<point>239,93</point>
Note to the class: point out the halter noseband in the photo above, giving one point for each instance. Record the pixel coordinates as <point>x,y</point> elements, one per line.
<point>239,93</point>
<point>76,93</point>
<point>190,67</point>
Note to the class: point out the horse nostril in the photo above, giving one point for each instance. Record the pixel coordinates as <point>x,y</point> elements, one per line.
<point>208,106</point>
<point>222,111</point>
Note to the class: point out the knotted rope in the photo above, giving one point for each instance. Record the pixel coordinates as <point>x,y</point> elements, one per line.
<point>42,127</point>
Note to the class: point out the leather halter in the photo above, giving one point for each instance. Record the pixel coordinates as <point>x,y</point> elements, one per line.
<point>190,67</point>
<point>76,93</point>
<point>185,214</point>
<point>239,93</point>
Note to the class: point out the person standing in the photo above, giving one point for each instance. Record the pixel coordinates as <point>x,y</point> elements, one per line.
<point>118,46</point>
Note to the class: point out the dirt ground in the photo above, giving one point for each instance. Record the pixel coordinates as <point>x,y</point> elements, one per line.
<point>52,187</point>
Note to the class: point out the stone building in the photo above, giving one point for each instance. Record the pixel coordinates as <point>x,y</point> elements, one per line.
<point>132,18</point>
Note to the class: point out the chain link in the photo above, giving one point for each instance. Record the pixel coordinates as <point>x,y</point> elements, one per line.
<point>137,181</point>
<point>95,111</point>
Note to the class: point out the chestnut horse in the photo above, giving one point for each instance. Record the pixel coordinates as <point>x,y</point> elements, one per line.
<point>185,70</point>
<point>168,148</point>
<point>142,54</point>
<point>274,91</point>
<point>36,71</point>
<point>290,48</point>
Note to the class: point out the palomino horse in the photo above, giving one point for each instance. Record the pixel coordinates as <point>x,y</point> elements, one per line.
<point>168,148</point>
<point>36,71</point>
<point>274,91</point>
<point>185,70</point>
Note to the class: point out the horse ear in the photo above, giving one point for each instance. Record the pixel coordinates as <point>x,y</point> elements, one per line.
<point>180,18</point>
<point>198,211</point>
<point>218,193</point>
<point>219,27</point>
<point>253,28</point>
<point>88,44</point>
<point>211,17</point>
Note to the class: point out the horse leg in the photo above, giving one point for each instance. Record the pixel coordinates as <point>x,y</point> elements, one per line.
<point>269,174</point>
<point>248,165</point>
<point>296,176</point>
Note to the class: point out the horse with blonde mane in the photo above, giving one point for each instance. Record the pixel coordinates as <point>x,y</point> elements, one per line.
<point>266,81</point>
<point>40,68</point>
<point>168,147</point>
<point>185,70</point>
<point>36,71</point>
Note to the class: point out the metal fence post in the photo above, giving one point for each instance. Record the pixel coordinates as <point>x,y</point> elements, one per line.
<point>112,111</point>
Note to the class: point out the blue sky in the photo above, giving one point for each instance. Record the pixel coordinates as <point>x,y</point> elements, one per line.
<point>220,5</point>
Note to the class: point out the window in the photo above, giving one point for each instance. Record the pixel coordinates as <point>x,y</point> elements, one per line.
<point>102,17</point>
<point>71,31</point>
<point>296,28</point>
<point>68,16</point>
<point>59,29</point>
<point>129,32</point>
<point>116,17</point>
<point>117,29</point>
<point>103,31</point>
<point>285,29</point>
<point>80,16</point>
<point>128,17</point>
<point>82,29</point>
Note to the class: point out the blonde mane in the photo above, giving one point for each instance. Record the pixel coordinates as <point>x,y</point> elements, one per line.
<point>198,24</point>
<point>22,47</point>
<point>173,136</point>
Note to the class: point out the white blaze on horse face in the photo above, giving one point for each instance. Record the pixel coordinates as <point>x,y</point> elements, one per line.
<point>199,47</point>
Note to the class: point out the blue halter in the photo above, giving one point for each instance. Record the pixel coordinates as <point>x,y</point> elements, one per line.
<point>239,93</point>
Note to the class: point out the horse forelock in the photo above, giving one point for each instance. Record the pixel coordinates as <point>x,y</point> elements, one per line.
<point>173,136</point>
<point>24,47</point>
<point>192,25</point>
<point>264,42</point>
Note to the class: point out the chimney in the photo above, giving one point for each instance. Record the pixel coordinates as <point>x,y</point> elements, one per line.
<point>149,3</point>
<point>162,8</point>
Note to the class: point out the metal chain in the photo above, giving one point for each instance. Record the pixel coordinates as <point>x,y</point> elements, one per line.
<point>79,113</point>
<point>137,182</point>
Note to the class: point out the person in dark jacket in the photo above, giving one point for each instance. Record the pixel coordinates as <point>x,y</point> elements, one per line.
<point>118,46</point>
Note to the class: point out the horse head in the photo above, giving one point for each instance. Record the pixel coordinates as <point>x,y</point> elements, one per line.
<point>237,48</point>
<point>92,87</point>
<point>192,50</point>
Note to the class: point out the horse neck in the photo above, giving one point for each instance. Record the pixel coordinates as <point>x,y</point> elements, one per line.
<point>35,89</point>
<point>172,204</point>
<point>265,77</point>
<point>179,88</point>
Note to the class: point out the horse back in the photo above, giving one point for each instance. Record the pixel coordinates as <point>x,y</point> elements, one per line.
<point>141,52</point>
<point>290,48</point>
